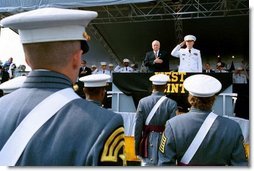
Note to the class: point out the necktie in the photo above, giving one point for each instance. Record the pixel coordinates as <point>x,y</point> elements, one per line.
<point>126,68</point>
<point>189,51</point>
<point>155,54</point>
<point>103,71</point>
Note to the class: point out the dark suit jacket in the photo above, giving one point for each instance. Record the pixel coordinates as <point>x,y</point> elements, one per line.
<point>5,76</point>
<point>211,71</point>
<point>87,69</point>
<point>163,67</point>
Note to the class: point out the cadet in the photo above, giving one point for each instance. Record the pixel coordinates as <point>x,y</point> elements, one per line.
<point>95,87</point>
<point>201,137</point>
<point>190,58</point>
<point>60,128</point>
<point>152,113</point>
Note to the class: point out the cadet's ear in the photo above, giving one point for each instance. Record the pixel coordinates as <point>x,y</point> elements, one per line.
<point>76,59</point>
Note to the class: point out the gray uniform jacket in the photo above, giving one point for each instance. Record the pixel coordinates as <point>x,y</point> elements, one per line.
<point>81,133</point>
<point>189,61</point>
<point>223,144</point>
<point>166,111</point>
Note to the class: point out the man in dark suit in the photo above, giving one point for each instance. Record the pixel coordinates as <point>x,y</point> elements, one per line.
<point>4,75</point>
<point>208,69</point>
<point>157,60</point>
<point>84,70</point>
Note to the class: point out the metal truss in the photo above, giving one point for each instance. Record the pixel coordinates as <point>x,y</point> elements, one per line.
<point>170,10</point>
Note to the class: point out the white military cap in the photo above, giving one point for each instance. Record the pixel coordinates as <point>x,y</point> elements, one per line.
<point>93,66</point>
<point>95,80</point>
<point>239,68</point>
<point>110,65</point>
<point>126,60</point>
<point>12,84</point>
<point>50,25</point>
<point>201,85</point>
<point>190,37</point>
<point>103,63</point>
<point>159,79</point>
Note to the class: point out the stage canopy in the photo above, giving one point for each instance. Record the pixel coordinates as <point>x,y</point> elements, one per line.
<point>14,6</point>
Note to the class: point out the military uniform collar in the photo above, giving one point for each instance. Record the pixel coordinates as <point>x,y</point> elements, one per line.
<point>46,79</point>
<point>195,110</point>
<point>158,93</point>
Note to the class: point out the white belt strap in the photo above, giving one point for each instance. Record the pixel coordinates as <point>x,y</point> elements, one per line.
<point>17,142</point>
<point>203,130</point>
<point>151,114</point>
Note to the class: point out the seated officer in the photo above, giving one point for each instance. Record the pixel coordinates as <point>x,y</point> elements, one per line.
<point>220,143</point>
<point>126,68</point>
<point>80,132</point>
<point>95,87</point>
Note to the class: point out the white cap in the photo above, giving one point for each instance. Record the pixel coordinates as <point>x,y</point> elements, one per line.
<point>50,24</point>
<point>103,63</point>
<point>12,84</point>
<point>93,66</point>
<point>190,37</point>
<point>159,79</point>
<point>110,65</point>
<point>201,85</point>
<point>95,80</point>
<point>126,60</point>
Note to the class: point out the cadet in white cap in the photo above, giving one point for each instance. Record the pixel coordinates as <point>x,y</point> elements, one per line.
<point>79,133</point>
<point>12,84</point>
<point>190,58</point>
<point>150,120</point>
<point>201,137</point>
<point>95,87</point>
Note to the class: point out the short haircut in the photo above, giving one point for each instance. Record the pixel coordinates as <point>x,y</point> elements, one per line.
<point>56,54</point>
<point>202,103</point>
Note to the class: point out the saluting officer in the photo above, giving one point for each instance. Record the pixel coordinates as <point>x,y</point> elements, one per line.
<point>201,137</point>
<point>190,58</point>
<point>79,132</point>
<point>152,113</point>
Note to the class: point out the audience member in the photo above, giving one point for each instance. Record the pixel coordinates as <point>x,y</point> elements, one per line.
<point>4,76</point>
<point>239,77</point>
